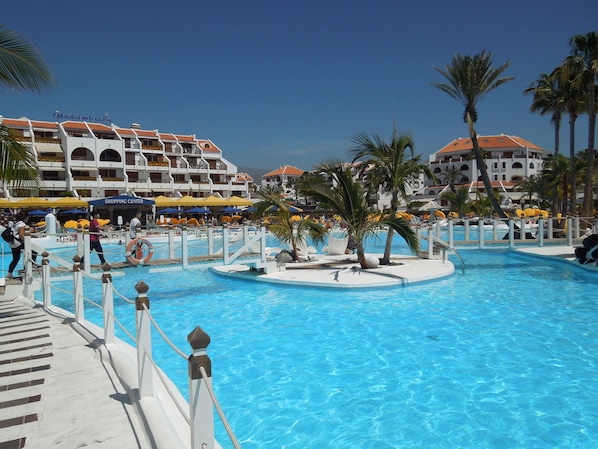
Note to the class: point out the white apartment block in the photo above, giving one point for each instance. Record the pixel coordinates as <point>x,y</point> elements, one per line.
<point>94,160</point>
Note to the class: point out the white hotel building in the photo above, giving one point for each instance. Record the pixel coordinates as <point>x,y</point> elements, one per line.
<point>93,160</point>
<point>509,160</point>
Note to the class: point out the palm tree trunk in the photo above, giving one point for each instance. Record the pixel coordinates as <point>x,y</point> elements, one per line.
<point>572,186</point>
<point>482,168</point>
<point>588,192</point>
<point>394,205</point>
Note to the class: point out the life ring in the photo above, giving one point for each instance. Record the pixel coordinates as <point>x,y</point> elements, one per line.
<point>135,251</point>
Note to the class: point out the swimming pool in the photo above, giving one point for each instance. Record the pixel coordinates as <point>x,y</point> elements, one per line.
<point>503,356</point>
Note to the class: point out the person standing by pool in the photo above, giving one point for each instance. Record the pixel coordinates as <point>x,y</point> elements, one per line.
<point>135,223</point>
<point>18,243</point>
<point>94,238</point>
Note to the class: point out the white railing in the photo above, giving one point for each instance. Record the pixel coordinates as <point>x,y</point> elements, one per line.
<point>176,244</point>
<point>508,233</point>
<point>202,400</point>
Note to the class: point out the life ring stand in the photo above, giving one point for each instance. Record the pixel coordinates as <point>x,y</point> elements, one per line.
<point>137,245</point>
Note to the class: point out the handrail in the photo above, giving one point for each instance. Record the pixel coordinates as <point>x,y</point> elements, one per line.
<point>142,341</point>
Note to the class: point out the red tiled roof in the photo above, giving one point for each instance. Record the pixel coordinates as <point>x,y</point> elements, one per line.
<point>47,125</point>
<point>286,170</point>
<point>207,146</point>
<point>488,142</point>
<point>124,131</point>
<point>74,125</point>
<point>143,133</point>
<point>99,127</point>
<point>166,136</point>
<point>15,122</point>
<point>184,138</point>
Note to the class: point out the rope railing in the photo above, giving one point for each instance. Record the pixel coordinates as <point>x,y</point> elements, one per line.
<point>202,399</point>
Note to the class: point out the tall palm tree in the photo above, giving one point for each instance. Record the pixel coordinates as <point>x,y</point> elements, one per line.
<point>393,166</point>
<point>548,99</point>
<point>584,54</point>
<point>344,196</point>
<point>22,67</point>
<point>575,103</point>
<point>470,78</point>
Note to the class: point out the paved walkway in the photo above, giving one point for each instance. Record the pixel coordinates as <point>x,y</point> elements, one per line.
<point>55,391</point>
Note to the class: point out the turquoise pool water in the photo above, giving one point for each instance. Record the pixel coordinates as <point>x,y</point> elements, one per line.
<point>503,356</point>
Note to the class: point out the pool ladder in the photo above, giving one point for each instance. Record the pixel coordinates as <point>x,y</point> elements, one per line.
<point>446,247</point>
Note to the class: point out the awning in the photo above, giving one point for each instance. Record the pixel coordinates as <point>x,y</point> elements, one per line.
<point>122,201</point>
<point>45,147</point>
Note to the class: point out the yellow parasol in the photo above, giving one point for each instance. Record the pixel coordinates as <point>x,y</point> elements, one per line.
<point>69,202</point>
<point>238,201</point>
<point>33,202</point>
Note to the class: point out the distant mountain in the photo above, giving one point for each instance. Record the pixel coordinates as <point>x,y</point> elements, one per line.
<point>255,173</point>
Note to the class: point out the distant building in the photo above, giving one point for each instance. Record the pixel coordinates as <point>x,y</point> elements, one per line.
<point>280,178</point>
<point>93,160</point>
<point>509,159</point>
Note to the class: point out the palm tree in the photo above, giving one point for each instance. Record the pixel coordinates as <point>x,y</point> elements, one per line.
<point>585,56</point>
<point>555,176</point>
<point>574,103</point>
<point>22,67</point>
<point>451,177</point>
<point>393,166</point>
<point>347,198</point>
<point>458,200</point>
<point>17,165</point>
<point>548,99</point>
<point>282,221</point>
<point>470,79</point>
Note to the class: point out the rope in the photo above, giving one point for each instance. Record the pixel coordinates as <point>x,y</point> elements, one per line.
<point>165,382</point>
<point>166,339</point>
<point>124,329</point>
<point>227,426</point>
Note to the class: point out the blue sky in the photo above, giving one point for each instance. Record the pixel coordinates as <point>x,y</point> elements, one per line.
<point>278,82</point>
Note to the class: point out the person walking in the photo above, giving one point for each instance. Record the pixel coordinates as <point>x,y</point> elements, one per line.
<point>94,238</point>
<point>18,242</point>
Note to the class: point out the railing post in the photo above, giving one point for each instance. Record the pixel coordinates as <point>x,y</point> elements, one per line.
<point>225,243</point>
<point>569,231</point>
<point>522,230</point>
<point>430,242</point>
<point>200,402</point>
<point>511,233</point>
<point>466,225</point>
<point>144,341</point>
<point>481,231</point>
<point>263,242</point>
<point>210,239</point>
<point>540,233</point>
<point>108,301</point>
<point>576,226</point>
<point>550,223</point>
<point>80,244</point>
<point>451,232</point>
<point>170,242</point>
<point>185,247</point>
<point>46,282</point>
<point>86,249</point>
<point>78,289</point>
